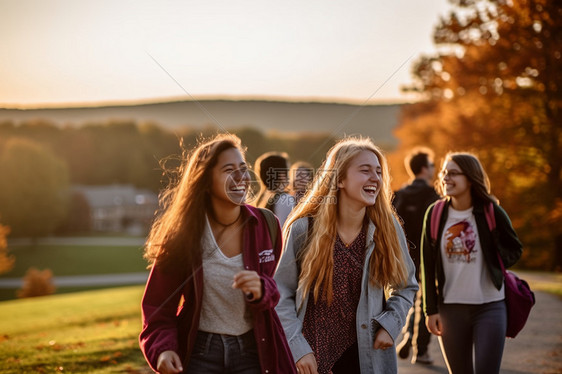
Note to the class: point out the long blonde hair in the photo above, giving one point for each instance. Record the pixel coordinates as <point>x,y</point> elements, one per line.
<point>175,237</point>
<point>386,265</point>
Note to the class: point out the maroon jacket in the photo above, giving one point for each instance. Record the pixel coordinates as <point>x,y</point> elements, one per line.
<point>167,325</point>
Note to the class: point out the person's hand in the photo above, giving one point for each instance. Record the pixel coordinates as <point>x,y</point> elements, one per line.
<point>248,282</point>
<point>434,324</point>
<point>307,364</point>
<point>383,340</point>
<point>169,362</point>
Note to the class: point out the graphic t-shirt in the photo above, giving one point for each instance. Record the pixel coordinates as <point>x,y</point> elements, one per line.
<point>467,279</point>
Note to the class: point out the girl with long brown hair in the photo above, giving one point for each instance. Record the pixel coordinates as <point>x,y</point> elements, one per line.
<point>344,249</point>
<point>463,285</point>
<point>208,306</point>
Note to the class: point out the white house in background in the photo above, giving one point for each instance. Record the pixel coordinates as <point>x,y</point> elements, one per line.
<point>119,208</point>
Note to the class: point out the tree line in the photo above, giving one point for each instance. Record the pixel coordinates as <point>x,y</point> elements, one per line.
<point>39,160</point>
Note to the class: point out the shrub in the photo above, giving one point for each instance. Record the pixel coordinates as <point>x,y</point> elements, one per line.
<point>37,283</point>
<point>6,260</point>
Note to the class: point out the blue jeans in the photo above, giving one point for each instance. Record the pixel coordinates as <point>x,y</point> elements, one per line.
<point>473,337</point>
<point>216,353</point>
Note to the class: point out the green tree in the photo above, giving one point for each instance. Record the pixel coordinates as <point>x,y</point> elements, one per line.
<point>79,217</point>
<point>126,152</point>
<point>157,144</point>
<point>33,188</point>
<point>495,88</point>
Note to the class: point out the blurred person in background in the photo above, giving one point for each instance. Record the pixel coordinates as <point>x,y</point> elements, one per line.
<point>411,202</point>
<point>272,169</point>
<point>301,175</point>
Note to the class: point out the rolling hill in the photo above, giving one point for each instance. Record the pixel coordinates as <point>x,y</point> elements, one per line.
<point>375,121</point>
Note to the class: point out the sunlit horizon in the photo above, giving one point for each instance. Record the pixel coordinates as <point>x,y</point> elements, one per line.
<point>61,53</point>
<point>163,100</point>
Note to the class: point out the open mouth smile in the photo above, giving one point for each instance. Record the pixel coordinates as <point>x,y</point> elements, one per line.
<point>371,190</point>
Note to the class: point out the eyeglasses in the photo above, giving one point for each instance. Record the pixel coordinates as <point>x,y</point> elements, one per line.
<point>450,173</point>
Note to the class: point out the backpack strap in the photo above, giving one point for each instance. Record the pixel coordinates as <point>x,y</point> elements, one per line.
<point>271,224</point>
<point>436,214</point>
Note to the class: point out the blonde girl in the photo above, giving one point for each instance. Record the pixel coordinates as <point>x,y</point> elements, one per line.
<point>343,249</point>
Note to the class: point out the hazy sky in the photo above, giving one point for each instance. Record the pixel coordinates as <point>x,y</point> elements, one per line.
<point>70,51</point>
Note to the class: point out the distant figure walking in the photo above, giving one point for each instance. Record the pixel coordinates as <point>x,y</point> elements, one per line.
<point>411,202</point>
<point>273,170</point>
<point>301,175</point>
<point>463,284</point>
<point>208,306</point>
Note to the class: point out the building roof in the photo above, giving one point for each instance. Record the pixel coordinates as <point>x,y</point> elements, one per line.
<point>116,195</point>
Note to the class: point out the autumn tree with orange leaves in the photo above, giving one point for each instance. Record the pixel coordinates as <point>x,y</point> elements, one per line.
<point>6,260</point>
<point>495,88</point>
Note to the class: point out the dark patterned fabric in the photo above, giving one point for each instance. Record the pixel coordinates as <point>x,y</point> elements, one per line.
<point>330,329</point>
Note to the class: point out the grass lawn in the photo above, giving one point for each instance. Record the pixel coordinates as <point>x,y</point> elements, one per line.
<point>97,331</point>
<point>73,260</point>
<point>77,260</point>
<point>86,332</point>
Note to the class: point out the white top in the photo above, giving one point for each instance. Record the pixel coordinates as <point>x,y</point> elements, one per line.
<point>224,308</point>
<point>467,279</point>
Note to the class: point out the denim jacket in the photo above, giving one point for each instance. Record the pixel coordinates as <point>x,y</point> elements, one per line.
<point>372,310</point>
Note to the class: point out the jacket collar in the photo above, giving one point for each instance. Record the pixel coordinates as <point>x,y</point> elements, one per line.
<point>420,182</point>
<point>250,213</point>
<point>477,205</point>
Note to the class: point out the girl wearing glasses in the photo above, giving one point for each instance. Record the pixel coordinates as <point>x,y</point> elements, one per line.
<point>461,277</point>
<point>344,248</point>
<point>208,306</point>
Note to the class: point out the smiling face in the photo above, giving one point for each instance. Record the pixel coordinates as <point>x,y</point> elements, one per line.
<point>362,181</point>
<point>454,181</point>
<point>230,178</point>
